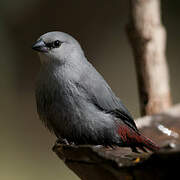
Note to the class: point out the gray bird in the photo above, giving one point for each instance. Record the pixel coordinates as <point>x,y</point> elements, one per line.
<point>76,103</point>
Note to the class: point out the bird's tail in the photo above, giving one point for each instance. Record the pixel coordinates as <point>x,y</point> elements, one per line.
<point>148,143</point>
<point>135,139</point>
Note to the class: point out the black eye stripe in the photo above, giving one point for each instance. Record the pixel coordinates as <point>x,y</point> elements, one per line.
<point>54,44</point>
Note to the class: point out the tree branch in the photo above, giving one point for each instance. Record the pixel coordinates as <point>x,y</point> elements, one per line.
<point>147,37</point>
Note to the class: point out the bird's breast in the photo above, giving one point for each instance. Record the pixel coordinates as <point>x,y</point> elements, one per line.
<point>58,99</point>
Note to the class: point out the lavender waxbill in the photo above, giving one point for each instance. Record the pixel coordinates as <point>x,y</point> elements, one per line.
<point>76,103</point>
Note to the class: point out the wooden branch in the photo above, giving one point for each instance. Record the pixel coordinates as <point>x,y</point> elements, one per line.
<point>147,37</point>
<point>99,163</point>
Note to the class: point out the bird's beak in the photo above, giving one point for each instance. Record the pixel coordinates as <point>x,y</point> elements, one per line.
<point>40,46</point>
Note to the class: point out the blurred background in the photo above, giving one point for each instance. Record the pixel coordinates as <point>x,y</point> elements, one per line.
<point>99,26</point>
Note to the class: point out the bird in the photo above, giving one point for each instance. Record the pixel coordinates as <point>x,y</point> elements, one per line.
<point>76,103</point>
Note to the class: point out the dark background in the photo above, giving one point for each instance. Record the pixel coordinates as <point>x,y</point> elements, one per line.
<point>100,28</point>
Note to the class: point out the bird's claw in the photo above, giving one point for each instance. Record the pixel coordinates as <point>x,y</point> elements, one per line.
<point>64,142</point>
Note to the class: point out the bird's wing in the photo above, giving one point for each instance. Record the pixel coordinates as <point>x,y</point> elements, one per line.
<point>101,95</point>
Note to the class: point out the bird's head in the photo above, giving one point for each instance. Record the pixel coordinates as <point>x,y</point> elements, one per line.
<point>57,46</point>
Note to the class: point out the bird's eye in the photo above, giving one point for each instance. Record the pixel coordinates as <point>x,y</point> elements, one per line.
<point>57,43</point>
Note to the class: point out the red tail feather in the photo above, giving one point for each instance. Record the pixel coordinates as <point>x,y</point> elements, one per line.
<point>149,144</point>
<point>134,139</point>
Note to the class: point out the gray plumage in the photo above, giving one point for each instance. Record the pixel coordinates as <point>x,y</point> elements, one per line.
<point>73,99</point>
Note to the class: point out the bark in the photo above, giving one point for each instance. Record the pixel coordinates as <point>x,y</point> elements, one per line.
<point>97,163</point>
<point>147,37</point>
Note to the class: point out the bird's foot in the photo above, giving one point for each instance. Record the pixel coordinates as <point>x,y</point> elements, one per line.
<point>59,143</point>
<point>63,142</point>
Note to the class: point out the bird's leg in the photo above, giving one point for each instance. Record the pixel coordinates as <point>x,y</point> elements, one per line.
<point>62,141</point>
